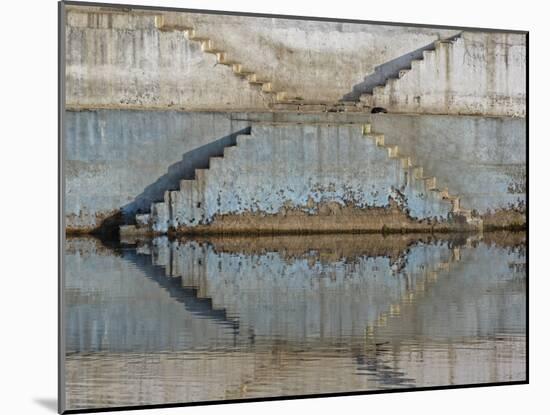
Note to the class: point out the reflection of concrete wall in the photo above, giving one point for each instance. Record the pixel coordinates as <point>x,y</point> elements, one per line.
<point>482,294</point>
<point>479,291</point>
<point>187,295</point>
<point>298,298</point>
<point>118,304</point>
<point>481,298</point>
<point>305,320</point>
<point>202,296</point>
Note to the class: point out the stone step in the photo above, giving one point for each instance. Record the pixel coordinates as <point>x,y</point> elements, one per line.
<point>242,139</point>
<point>208,46</point>
<point>427,54</point>
<point>406,162</point>
<point>162,24</point>
<point>254,78</point>
<point>378,89</point>
<point>415,64</point>
<point>431,182</point>
<point>311,107</point>
<point>167,197</point>
<point>346,108</point>
<point>229,151</point>
<point>143,220</point>
<point>173,28</point>
<point>366,129</point>
<point>443,43</point>
<point>215,162</point>
<point>192,35</point>
<point>378,139</point>
<point>186,185</point>
<point>366,99</point>
<point>243,74</point>
<point>282,96</point>
<point>159,21</point>
<point>238,68</point>
<point>393,151</point>
<point>223,60</point>
<point>267,87</point>
<point>403,72</point>
<point>200,174</point>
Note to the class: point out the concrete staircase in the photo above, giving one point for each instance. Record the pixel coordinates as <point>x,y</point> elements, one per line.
<point>370,99</point>
<point>160,214</point>
<point>416,172</point>
<point>278,99</point>
<point>190,199</point>
<point>222,57</point>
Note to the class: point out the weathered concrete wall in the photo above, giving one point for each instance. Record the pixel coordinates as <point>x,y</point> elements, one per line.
<point>119,162</point>
<point>481,159</point>
<point>319,61</point>
<point>121,60</point>
<point>122,161</point>
<point>477,73</point>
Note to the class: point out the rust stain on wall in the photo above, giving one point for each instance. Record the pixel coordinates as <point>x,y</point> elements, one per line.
<point>505,219</point>
<point>331,217</point>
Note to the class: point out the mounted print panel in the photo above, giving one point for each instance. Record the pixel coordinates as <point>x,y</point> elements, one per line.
<point>260,207</point>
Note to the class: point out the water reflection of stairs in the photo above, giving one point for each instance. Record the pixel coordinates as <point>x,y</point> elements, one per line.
<point>269,295</point>
<point>460,295</point>
<point>428,278</point>
<point>189,296</point>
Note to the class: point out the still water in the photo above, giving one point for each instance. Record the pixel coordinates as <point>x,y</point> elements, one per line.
<point>164,321</point>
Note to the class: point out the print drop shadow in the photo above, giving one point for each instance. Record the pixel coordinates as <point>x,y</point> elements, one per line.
<point>49,403</point>
<point>183,169</point>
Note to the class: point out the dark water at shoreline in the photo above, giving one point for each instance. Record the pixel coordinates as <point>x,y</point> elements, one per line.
<point>164,321</point>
